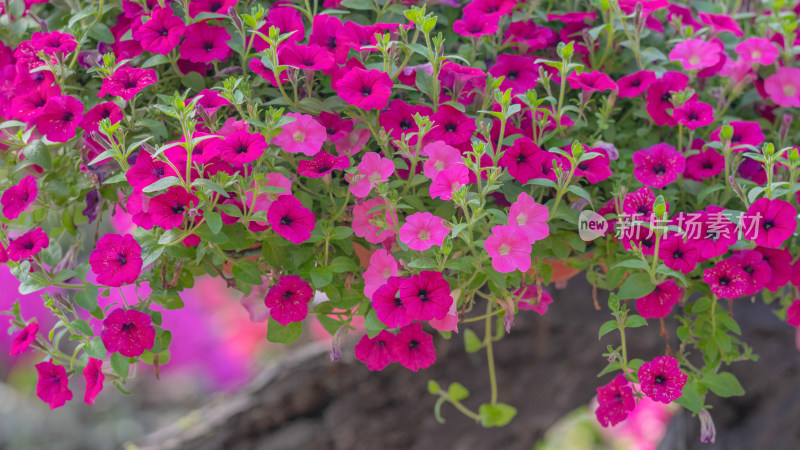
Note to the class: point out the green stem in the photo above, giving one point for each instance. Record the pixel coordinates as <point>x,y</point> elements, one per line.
<point>490,352</point>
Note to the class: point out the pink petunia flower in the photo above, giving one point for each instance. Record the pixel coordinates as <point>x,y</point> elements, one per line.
<point>450,321</point>
<point>60,117</point>
<point>307,57</point>
<point>53,385</point>
<point>18,197</point>
<point>53,42</point>
<point>422,231</point>
<point>170,208</point>
<point>769,222</point>
<point>335,126</point>
<point>661,379</point>
<point>356,36</point>
<point>388,307</point>
<point>660,302</point>
<point>413,348</point>
<point>696,54</point>
<point>363,225</point>
<point>116,260</point>
<point>161,33</point>
<point>93,374</point>
<point>659,97</point>
<point>29,106</point>
<point>24,338</point>
<point>780,264</point>
<point>694,114</point>
<point>658,166</point>
<point>372,169</point>
<point>323,32</point>
<point>288,299</point>
<point>241,148</point>
<point>382,266</point>
<point>305,135</point>
<point>634,84</point>
<point>726,279</point>
<point>129,332</point>
<point>758,51</point>
<point>377,352</point>
<point>591,81</point>
<point>744,133</point>
<point>529,36</point>
<point>475,24</point>
<point>323,164</point>
<point>448,181</point>
<point>523,160</point>
<point>147,171</point>
<point>211,101</point>
<point>793,314</point>
<point>365,89</point>
<point>721,23</point>
<point>783,87</point>
<point>398,119</point>
<point>615,401</point>
<point>27,245</point>
<point>596,169</point>
<point>509,248</point>
<point>126,82</point>
<point>757,269</point>
<point>440,156</point>
<point>290,219</point>
<point>679,254</point>
<point>706,164</point>
<point>426,296</point>
<point>106,110</point>
<point>212,6</point>
<point>352,143</point>
<point>530,216</point>
<point>205,43</point>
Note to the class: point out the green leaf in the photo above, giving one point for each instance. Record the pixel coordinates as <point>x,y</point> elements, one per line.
<point>635,321</point>
<point>472,343</point>
<point>161,184</point>
<point>321,277</point>
<point>120,364</point>
<point>690,398</point>
<point>102,33</point>
<point>340,233</point>
<point>208,184</point>
<point>280,334</point>
<point>155,60</point>
<point>214,220</point>
<point>38,154</point>
<point>433,387</point>
<point>723,384</point>
<point>496,415</point>
<point>96,349</point>
<point>342,264</point>
<point>606,328</point>
<point>82,327</point>
<point>247,271</point>
<point>457,391</point>
<point>373,324</point>
<point>194,81</point>
<point>87,298</point>
<point>636,286</point>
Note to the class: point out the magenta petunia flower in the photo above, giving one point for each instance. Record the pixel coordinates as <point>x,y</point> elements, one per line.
<point>660,302</point>
<point>780,264</point>
<point>335,126</point>
<point>323,164</point>
<point>451,126</point>
<point>634,84</point>
<point>757,269</point>
<point>658,166</point>
<point>530,300</point>
<point>591,81</point>
<point>679,254</point>
<point>413,348</point>
<point>211,101</point>
<point>94,376</point>
<point>388,307</point>
<point>213,6</point>
<point>306,57</point>
<point>426,296</point>
<point>305,135</point>
<point>661,379</point>
<point>596,169</point>
<point>530,216</point>
<point>793,314</point>
<point>529,36</point>
<point>440,156</point>
<point>615,401</point>
<point>706,164</point>
<point>366,89</point>
<point>382,266</point>
<point>27,245</point>
<point>116,260</point>
<point>356,36</point>
<point>106,110</point>
<point>721,22</point>
<point>288,299</point>
<point>717,233</point>
<point>363,219</point>
<point>290,219</point>
<point>521,72</point>
<point>696,54</point>
<point>758,51</point>
<point>241,148</point>
<point>323,32</point>
<point>53,385</point>
<point>18,197</point>
<point>129,332</point>
<point>509,248</point>
<point>744,133</point>
<point>694,114</point>
<point>147,171</point>
<point>29,106</point>
<point>398,119</point>
<point>126,82</point>
<point>727,279</point>
<point>659,97</point>
<point>448,181</point>
<point>769,222</point>
<point>377,352</point>
<point>24,338</point>
<point>372,169</point>
<point>523,160</point>
<point>205,43</point>
<point>162,32</point>
<point>422,231</point>
<point>60,117</point>
<point>783,87</point>
<point>170,208</point>
<point>475,24</point>
<point>53,42</point>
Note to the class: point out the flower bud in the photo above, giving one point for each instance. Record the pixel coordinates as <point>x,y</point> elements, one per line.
<point>336,346</point>
<point>726,133</point>
<point>707,431</point>
<point>786,123</point>
<point>237,21</point>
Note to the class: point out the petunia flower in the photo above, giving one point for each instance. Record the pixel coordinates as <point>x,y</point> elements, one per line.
<point>128,331</point>
<point>696,54</point>
<point>357,36</point>
<point>106,110</point>
<point>382,266</point>
<point>451,126</point>
<point>721,23</point>
<point>18,197</point>
<point>440,156</point>
<point>24,338</point>
<point>793,314</point>
<point>363,219</point>
<point>529,36</point>
<point>212,6</point>
<point>307,57</point>
<point>521,72</point>
<point>635,83</point>
<point>288,299</point>
<point>659,97</point>
<point>679,253</point>
<point>94,376</point>
<point>591,81</point>
<point>615,401</point>
<point>205,43</point>
<point>29,106</point>
<point>744,133</point>
<point>661,379</point>
<point>126,82</point>
<point>116,260</point>
<point>60,117</point>
<point>769,222</point>
<point>757,269</point>
<point>448,181</point>
<point>509,248</point>
<point>170,208</point>
<point>660,302</point>
<point>211,101</point>
<point>162,32</point>
<point>241,148</point>
<point>706,164</point>
<point>305,135</point>
<point>596,169</point>
<point>426,296</point>
<point>530,300</point>
<point>53,384</point>
<point>53,42</point>
<point>352,143</point>
<point>422,231</point>
<point>323,32</point>
<point>372,169</point>
<point>365,89</point>
<point>780,264</point>
<point>726,279</point>
<point>475,24</point>
<point>757,50</point>
<point>147,171</point>
<point>530,216</point>
<point>398,119</point>
<point>388,307</point>
<point>694,114</point>
<point>323,164</point>
<point>290,219</point>
<point>377,352</point>
<point>783,87</point>
<point>658,166</point>
<point>413,348</point>
<point>27,245</point>
<point>523,160</point>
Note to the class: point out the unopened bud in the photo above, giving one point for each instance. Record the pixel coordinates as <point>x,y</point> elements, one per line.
<point>201,111</point>
<point>44,26</point>
<point>735,185</point>
<point>237,21</point>
<point>336,346</point>
<point>726,133</point>
<point>786,123</point>
<point>707,431</point>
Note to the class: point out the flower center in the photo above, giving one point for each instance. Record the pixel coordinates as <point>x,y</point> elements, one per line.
<point>163,31</point>
<point>413,344</point>
<point>286,220</point>
<point>583,166</point>
<point>423,295</point>
<point>242,149</point>
<point>424,235</point>
<point>128,327</point>
<point>749,269</point>
<point>208,46</point>
<point>521,159</point>
<point>287,295</point>
<point>451,127</point>
<point>677,254</point>
<point>504,249</point>
<point>789,90</point>
<point>768,224</point>
<point>67,117</point>
<point>708,165</point>
<point>694,60</point>
<point>659,169</point>
<point>660,379</point>
<point>122,259</point>
<point>644,210</point>
<point>299,136</point>
<point>724,280</point>
<point>522,219</point>
<point>177,209</point>
<point>667,96</point>
<point>130,84</point>
<point>405,124</point>
<point>512,74</point>
<point>366,91</point>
